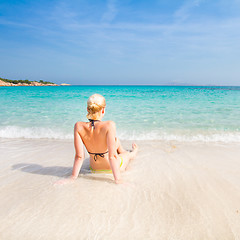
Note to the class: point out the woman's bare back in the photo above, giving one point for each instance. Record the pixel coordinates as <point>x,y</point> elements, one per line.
<point>95,141</point>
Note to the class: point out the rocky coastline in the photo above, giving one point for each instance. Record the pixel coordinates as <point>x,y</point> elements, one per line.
<point>16,83</point>
<point>2,83</point>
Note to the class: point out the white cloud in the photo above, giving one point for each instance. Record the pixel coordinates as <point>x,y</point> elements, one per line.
<point>111,12</point>
<point>184,11</point>
<point>15,24</point>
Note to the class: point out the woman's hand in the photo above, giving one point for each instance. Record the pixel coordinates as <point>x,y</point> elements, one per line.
<point>125,184</point>
<point>119,181</point>
<point>65,181</point>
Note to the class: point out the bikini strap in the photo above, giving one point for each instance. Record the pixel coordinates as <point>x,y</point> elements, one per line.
<point>98,154</point>
<point>92,122</point>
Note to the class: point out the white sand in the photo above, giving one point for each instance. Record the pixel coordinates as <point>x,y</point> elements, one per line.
<point>177,191</point>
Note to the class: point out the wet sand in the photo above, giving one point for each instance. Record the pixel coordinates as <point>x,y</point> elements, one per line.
<point>175,191</point>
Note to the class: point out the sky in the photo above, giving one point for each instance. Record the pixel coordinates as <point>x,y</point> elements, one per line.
<point>161,42</point>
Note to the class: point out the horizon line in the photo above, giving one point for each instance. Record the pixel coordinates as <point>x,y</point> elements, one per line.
<point>163,85</point>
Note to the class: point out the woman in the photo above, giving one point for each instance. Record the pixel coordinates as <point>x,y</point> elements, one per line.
<point>99,138</point>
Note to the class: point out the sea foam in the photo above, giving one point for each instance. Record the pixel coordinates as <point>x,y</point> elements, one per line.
<point>48,133</point>
<point>32,133</point>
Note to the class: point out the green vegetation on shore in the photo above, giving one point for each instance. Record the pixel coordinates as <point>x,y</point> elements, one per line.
<point>23,81</point>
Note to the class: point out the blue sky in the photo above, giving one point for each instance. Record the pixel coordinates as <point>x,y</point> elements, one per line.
<point>121,42</point>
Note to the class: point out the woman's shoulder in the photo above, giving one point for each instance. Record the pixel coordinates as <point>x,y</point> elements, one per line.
<point>79,125</point>
<point>109,125</point>
<point>110,122</point>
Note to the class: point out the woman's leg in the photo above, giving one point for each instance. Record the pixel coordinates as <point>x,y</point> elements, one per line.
<point>125,155</point>
<point>119,147</point>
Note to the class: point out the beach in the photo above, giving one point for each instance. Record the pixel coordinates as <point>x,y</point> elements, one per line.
<point>183,184</point>
<point>174,191</point>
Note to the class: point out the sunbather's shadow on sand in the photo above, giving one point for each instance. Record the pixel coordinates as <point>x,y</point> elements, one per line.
<point>57,171</point>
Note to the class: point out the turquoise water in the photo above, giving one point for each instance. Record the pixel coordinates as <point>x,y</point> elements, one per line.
<point>140,112</point>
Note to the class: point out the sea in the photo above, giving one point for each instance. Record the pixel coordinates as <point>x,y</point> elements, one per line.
<point>179,113</point>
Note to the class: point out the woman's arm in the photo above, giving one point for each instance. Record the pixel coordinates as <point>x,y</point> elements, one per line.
<point>79,155</point>
<point>112,152</point>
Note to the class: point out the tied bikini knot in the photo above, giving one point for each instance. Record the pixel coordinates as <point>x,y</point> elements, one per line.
<point>92,122</point>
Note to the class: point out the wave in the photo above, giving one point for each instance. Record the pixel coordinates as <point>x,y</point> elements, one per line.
<point>32,133</point>
<point>48,133</point>
<point>230,137</point>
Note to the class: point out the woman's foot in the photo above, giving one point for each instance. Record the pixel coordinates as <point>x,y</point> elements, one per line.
<point>134,151</point>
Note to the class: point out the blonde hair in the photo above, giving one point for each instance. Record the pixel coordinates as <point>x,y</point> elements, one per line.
<point>95,104</point>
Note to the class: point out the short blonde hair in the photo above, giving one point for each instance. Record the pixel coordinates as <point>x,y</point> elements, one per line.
<point>95,104</point>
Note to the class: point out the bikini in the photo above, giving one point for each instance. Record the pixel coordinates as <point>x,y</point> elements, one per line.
<point>100,154</point>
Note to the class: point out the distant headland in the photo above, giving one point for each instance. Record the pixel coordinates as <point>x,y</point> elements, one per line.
<point>8,82</point>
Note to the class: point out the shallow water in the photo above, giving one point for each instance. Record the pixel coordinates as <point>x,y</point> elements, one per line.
<point>193,114</point>
<point>174,191</point>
